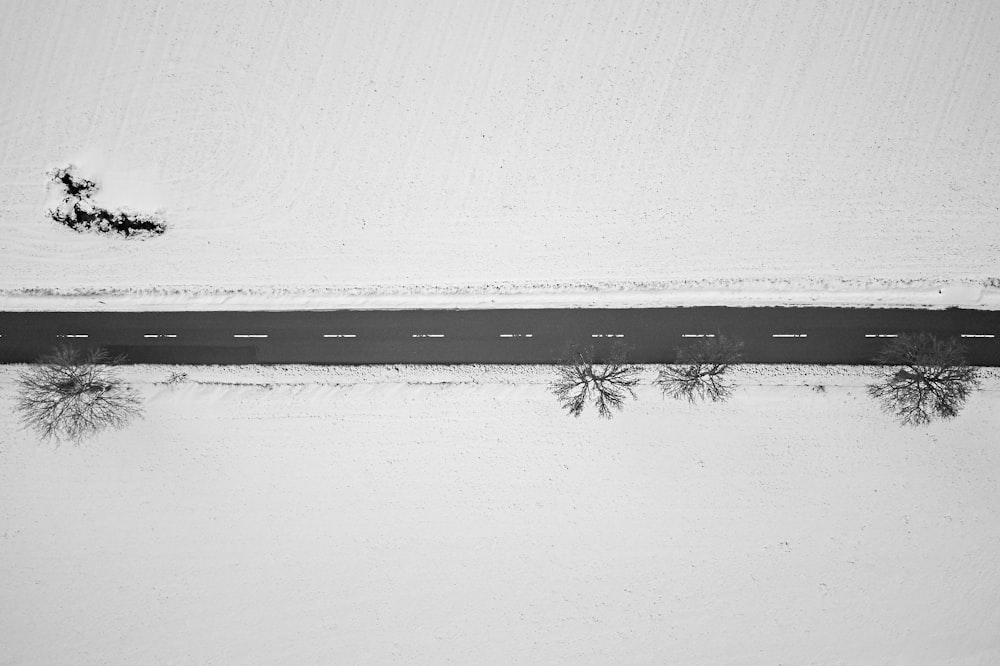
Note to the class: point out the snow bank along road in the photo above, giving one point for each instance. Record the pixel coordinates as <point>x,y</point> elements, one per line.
<point>771,335</point>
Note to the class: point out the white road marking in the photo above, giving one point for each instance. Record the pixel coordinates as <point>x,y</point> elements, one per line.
<point>698,335</point>
<point>159,335</point>
<point>516,335</point>
<point>249,335</point>
<point>72,335</point>
<point>978,335</point>
<point>881,335</point>
<point>339,335</point>
<point>607,335</point>
<point>428,335</point>
<point>789,335</point>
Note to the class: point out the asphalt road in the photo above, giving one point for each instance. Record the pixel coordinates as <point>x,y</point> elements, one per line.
<point>770,335</point>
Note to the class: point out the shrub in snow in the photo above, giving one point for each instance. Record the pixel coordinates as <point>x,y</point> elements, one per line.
<point>78,211</point>
<point>176,378</point>
<point>700,370</point>
<point>72,395</point>
<point>929,378</point>
<point>607,385</point>
<point>75,186</point>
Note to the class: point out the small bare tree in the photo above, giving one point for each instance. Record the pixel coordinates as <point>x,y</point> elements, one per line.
<point>73,395</point>
<point>607,385</point>
<point>700,369</point>
<point>930,378</point>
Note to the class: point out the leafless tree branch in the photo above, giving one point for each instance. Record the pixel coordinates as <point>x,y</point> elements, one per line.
<point>699,373</point>
<point>72,395</point>
<point>928,378</point>
<point>607,385</point>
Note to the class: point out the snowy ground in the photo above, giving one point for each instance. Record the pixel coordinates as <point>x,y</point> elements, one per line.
<point>300,515</point>
<point>380,148</point>
<point>503,153</point>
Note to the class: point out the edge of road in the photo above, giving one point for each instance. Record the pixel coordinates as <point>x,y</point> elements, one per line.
<point>910,294</point>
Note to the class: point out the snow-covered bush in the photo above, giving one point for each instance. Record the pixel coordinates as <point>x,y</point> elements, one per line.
<point>79,212</point>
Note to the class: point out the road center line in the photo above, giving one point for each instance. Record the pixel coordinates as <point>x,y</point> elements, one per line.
<point>978,335</point>
<point>72,335</point>
<point>249,335</point>
<point>516,335</point>
<point>881,335</point>
<point>607,335</point>
<point>789,335</point>
<point>159,335</point>
<point>428,335</point>
<point>698,335</point>
<point>339,335</point>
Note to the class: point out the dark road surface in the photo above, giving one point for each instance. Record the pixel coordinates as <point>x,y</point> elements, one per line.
<point>770,335</point>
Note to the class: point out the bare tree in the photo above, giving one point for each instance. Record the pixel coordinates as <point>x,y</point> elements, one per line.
<point>73,395</point>
<point>607,385</point>
<point>930,378</point>
<point>700,369</point>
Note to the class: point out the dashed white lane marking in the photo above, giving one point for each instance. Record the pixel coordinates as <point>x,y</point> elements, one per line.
<point>698,335</point>
<point>789,335</point>
<point>339,335</point>
<point>607,335</point>
<point>881,335</point>
<point>978,335</point>
<point>516,335</point>
<point>249,335</point>
<point>159,335</point>
<point>428,335</point>
<point>72,335</point>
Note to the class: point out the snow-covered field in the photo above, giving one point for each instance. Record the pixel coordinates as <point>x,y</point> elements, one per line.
<point>352,149</point>
<point>333,516</point>
<point>482,153</point>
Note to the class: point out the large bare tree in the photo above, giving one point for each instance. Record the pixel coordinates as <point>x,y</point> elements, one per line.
<point>928,377</point>
<point>72,394</point>
<point>606,385</point>
<point>699,373</point>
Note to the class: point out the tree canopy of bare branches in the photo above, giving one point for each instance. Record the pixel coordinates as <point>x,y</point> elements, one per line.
<point>929,378</point>
<point>606,385</point>
<point>72,395</point>
<point>699,373</point>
